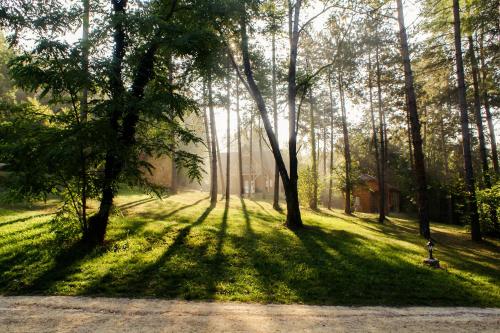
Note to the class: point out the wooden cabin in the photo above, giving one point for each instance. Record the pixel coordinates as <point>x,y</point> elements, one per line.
<point>257,180</point>
<point>367,191</point>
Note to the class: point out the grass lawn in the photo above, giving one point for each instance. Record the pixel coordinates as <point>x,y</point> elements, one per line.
<point>178,248</point>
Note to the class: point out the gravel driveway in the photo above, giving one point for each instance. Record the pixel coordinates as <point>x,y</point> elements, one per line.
<point>85,314</point>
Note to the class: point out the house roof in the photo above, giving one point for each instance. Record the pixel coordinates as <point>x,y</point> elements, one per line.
<point>365,178</point>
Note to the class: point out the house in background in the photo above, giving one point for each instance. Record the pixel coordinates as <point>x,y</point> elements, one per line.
<point>161,173</point>
<point>258,179</point>
<point>368,193</point>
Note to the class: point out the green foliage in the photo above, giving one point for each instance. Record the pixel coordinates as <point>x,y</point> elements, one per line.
<point>65,227</point>
<point>306,185</point>
<point>339,178</point>
<point>488,198</point>
<point>59,149</point>
<point>42,150</point>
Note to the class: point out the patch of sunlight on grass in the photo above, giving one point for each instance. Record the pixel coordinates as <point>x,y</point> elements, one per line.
<point>177,247</point>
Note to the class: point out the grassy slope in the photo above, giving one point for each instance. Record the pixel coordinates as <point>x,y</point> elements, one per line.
<point>177,248</point>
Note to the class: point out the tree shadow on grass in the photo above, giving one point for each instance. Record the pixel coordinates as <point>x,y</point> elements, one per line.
<point>65,263</point>
<point>151,278</point>
<point>354,272</point>
<point>267,267</point>
<point>266,263</point>
<point>11,236</point>
<point>221,234</point>
<point>136,203</point>
<point>24,219</point>
<point>339,267</point>
<point>165,215</point>
<point>460,252</point>
<point>268,211</point>
<point>214,263</point>
<point>60,259</point>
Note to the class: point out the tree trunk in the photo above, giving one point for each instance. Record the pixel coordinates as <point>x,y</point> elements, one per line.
<point>489,118</point>
<point>444,150</point>
<point>425,138</point>
<point>98,223</point>
<point>228,140</point>
<point>84,107</point>
<point>464,119</point>
<point>411,100</point>
<point>213,149</point>
<point>219,162</point>
<point>313,203</point>
<point>480,129</point>
<point>173,185</point>
<point>85,57</point>
<point>240,159</point>
<point>250,163</point>
<point>263,171</point>
<point>347,149</point>
<point>324,125</point>
<point>375,136</point>
<point>276,193</point>
<point>114,163</point>
<point>207,128</point>
<point>383,150</point>
<point>410,150</point>
<point>330,185</point>
<point>294,220</point>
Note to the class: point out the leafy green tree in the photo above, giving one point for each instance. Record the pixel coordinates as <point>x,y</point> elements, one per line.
<point>129,94</point>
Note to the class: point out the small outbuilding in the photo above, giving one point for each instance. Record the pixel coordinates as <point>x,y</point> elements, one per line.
<point>366,196</point>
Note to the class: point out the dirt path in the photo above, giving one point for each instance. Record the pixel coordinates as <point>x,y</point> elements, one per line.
<point>83,314</point>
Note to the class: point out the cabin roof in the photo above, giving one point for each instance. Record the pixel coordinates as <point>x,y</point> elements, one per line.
<point>372,183</point>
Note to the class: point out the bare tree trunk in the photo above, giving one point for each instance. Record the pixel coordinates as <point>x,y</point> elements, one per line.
<point>347,149</point>
<point>84,107</point>
<point>464,119</point>
<point>207,125</point>
<point>318,152</point>
<point>489,118</point>
<point>173,185</point>
<point>263,170</point>
<point>276,194</point>
<point>85,57</point>
<point>294,220</point>
<point>444,150</point>
<point>375,136</point>
<point>330,185</point>
<point>240,159</point>
<point>422,200</point>
<point>425,138</point>
<point>324,125</point>
<point>383,150</point>
<point>250,164</point>
<point>313,203</point>
<point>228,140</point>
<point>480,129</point>
<point>410,150</point>
<point>219,162</point>
<point>213,144</point>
